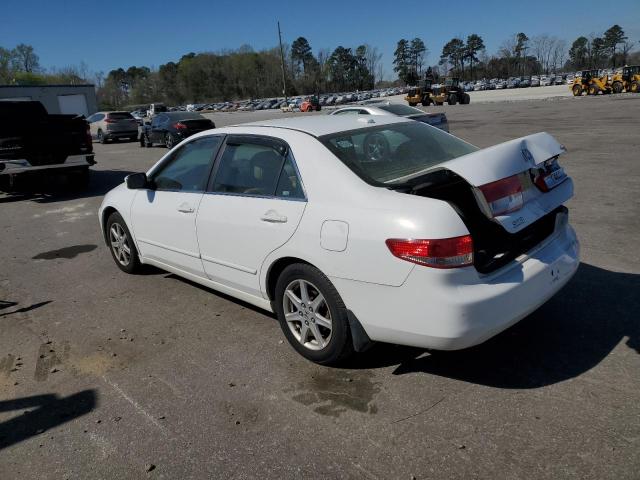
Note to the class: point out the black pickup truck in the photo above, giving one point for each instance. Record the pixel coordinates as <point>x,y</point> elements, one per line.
<point>28,132</point>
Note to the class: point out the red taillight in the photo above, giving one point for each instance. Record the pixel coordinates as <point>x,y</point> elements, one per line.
<point>179,126</point>
<point>439,253</point>
<point>503,196</point>
<point>109,120</point>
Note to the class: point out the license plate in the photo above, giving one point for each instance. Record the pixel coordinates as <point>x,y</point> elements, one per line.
<point>554,178</point>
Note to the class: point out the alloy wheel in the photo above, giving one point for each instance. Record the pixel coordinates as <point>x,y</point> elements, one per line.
<point>120,244</point>
<point>307,314</point>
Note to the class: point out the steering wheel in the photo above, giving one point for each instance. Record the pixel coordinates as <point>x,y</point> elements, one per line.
<point>376,147</point>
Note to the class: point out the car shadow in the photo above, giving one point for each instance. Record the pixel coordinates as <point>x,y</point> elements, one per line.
<point>52,187</point>
<point>40,413</point>
<point>564,338</point>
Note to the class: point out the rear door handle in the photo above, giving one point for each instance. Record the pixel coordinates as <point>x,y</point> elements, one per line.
<point>272,216</point>
<point>185,208</point>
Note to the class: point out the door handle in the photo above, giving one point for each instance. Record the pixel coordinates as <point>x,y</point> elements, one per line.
<point>185,208</point>
<point>272,216</point>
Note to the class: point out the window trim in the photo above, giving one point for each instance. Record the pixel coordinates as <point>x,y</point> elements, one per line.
<point>255,139</point>
<point>171,156</point>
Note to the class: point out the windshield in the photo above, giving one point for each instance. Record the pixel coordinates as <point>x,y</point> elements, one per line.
<point>399,109</point>
<point>396,152</point>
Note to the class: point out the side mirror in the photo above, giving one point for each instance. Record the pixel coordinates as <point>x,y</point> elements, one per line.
<point>137,181</point>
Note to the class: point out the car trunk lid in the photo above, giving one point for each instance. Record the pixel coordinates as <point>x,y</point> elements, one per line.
<point>531,163</point>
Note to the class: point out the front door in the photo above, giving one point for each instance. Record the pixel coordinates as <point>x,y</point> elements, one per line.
<point>164,216</point>
<point>253,206</point>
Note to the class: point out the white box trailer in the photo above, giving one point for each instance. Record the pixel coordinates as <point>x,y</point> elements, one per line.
<point>57,99</point>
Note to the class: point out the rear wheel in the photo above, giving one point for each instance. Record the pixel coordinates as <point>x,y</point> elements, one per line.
<point>617,87</point>
<point>453,99</point>
<point>412,104</point>
<point>312,315</point>
<point>577,90</point>
<point>593,90</point>
<point>121,244</point>
<point>168,140</point>
<point>101,138</point>
<point>466,99</point>
<point>635,87</point>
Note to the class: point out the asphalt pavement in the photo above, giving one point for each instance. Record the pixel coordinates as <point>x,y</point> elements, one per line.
<point>107,375</point>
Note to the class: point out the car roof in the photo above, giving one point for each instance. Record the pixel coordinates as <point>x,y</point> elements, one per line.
<point>320,125</point>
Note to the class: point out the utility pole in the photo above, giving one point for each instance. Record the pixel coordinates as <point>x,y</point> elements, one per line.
<point>284,77</point>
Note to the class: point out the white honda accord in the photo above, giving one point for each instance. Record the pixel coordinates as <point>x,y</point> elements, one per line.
<point>355,229</point>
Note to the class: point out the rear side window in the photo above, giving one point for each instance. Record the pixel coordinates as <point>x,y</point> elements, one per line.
<point>257,169</point>
<point>120,116</point>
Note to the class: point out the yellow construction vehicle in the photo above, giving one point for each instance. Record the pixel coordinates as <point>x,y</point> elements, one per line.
<point>591,83</point>
<point>627,81</point>
<point>451,91</point>
<point>420,94</point>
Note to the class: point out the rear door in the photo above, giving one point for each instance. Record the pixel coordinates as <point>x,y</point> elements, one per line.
<point>164,217</point>
<point>158,123</point>
<point>253,205</point>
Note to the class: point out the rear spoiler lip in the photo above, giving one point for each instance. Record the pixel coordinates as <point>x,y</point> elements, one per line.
<point>505,159</point>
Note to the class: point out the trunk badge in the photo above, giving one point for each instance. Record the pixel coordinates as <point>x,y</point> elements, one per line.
<point>528,157</point>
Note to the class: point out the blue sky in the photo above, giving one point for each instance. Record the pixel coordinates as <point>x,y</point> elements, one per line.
<point>114,33</point>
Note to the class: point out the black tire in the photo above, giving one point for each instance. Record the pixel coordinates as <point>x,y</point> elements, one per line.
<point>634,87</point>
<point>617,87</point>
<point>412,104</point>
<point>101,138</point>
<point>466,99</point>
<point>426,102</point>
<point>147,143</point>
<point>453,99</point>
<point>134,261</point>
<point>577,90</point>
<point>169,142</point>
<point>593,90</point>
<point>340,344</point>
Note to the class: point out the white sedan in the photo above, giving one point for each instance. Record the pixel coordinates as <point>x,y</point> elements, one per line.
<point>355,229</point>
<point>373,107</point>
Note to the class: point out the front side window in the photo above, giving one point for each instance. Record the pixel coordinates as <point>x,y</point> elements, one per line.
<point>188,168</point>
<point>395,152</point>
<point>258,169</point>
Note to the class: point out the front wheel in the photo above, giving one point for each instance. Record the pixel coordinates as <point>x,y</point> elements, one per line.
<point>452,99</point>
<point>169,142</point>
<point>617,87</point>
<point>312,315</point>
<point>121,244</point>
<point>577,91</point>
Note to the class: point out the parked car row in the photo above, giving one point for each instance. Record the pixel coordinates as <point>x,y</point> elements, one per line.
<point>516,82</point>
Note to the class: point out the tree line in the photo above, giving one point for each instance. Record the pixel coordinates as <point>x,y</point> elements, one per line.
<point>518,55</point>
<point>246,73</point>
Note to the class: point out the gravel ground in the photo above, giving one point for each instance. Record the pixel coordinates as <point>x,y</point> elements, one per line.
<point>105,375</point>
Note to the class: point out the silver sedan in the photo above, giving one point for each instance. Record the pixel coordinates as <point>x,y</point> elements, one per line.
<point>438,120</point>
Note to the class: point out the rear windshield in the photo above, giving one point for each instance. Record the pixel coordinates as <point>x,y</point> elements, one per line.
<point>396,152</point>
<point>399,109</point>
<point>120,116</point>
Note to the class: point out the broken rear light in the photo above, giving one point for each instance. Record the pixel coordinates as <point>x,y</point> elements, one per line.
<point>437,253</point>
<point>503,196</point>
